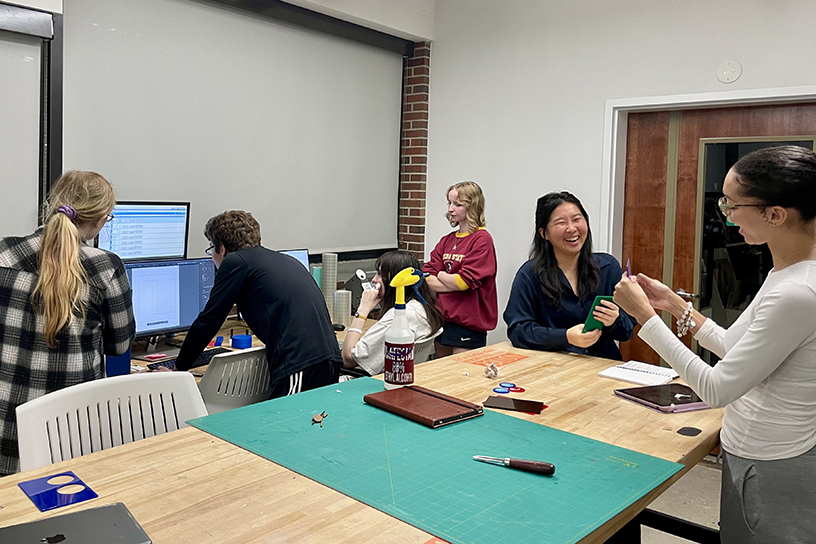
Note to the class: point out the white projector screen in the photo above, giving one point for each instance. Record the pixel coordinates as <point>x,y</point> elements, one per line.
<point>20,66</point>
<point>185,101</point>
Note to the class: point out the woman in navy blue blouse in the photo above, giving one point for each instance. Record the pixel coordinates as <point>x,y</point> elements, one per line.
<point>553,292</point>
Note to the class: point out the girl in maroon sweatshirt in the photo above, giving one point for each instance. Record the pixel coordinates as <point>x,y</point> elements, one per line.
<point>462,270</point>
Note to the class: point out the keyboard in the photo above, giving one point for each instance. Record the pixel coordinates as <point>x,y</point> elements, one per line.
<point>203,359</point>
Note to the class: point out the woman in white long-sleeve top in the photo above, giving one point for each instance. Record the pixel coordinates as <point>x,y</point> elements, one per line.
<point>766,378</point>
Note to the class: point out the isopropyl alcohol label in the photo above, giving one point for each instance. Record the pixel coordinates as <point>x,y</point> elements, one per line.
<point>399,364</point>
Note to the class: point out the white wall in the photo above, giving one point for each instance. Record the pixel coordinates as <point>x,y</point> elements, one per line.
<point>52,6</point>
<point>19,132</point>
<point>231,111</point>
<point>518,90</point>
<point>408,19</point>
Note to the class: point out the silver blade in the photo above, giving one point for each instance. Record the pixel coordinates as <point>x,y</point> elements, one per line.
<point>492,460</point>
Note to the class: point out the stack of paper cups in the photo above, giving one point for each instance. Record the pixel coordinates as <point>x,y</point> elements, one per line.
<point>328,281</point>
<point>342,307</point>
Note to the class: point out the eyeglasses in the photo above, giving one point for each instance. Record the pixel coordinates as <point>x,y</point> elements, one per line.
<point>726,208</point>
<point>209,250</point>
<point>109,218</point>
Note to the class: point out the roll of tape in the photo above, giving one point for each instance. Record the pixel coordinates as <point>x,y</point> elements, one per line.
<point>342,307</point>
<point>242,341</point>
<point>329,281</point>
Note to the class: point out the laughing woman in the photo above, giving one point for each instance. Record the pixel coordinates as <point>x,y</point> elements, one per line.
<point>553,292</point>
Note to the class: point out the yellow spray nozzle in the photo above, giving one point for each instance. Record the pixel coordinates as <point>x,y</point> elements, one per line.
<point>406,277</point>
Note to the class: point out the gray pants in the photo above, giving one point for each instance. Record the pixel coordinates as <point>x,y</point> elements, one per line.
<point>768,502</point>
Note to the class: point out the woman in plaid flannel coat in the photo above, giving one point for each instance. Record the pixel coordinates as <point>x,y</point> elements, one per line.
<point>63,304</point>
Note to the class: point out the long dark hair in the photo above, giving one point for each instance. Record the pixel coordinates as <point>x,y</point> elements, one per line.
<point>543,257</point>
<point>780,176</point>
<point>389,265</point>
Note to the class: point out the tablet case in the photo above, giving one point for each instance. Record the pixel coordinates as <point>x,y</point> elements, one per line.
<point>666,398</point>
<point>104,525</point>
<point>424,406</point>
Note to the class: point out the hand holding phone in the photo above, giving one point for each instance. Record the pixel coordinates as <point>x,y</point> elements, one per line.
<point>580,339</point>
<point>591,322</point>
<point>606,312</point>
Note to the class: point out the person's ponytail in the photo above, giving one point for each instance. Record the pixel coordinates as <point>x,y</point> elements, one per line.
<point>61,276</point>
<point>77,199</point>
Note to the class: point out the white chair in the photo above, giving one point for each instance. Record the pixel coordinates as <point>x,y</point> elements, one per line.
<point>425,348</point>
<point>236,379</point>
<point>101,414</point>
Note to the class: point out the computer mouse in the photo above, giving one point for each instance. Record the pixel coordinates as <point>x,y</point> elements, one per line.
<point>338,326</point>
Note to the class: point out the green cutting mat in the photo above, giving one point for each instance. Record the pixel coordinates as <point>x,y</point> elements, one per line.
<point>426,477</point>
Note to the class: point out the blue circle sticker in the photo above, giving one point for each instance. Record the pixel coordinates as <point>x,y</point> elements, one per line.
<point>502,390</point>
<point>508,385</point>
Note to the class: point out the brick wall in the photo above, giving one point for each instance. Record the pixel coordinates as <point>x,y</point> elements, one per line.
<point>414,150</point>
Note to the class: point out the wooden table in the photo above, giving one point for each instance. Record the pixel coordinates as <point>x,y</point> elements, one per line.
<point>188,486</point>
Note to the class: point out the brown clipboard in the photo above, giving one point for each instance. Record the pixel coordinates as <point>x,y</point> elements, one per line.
<point>430,408</point>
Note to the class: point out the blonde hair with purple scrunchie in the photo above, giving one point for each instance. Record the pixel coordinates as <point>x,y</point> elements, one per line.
<point>69,211</point>
<point>61,275</point>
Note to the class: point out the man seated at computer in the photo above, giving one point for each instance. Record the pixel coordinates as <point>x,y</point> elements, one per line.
<point>278,299</point>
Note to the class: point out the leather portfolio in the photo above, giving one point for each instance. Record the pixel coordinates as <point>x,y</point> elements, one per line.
<point>424,406</point>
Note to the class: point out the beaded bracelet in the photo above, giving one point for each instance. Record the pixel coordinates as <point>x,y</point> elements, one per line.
<point>685,323</point>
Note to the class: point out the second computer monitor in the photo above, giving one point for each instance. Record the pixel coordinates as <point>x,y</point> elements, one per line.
<point>169,295</point>
<point>147,230</point>
<point>301,255</point>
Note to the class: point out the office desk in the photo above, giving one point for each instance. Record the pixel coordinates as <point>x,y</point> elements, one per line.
<point>230,325</point>
<point>188,486</point>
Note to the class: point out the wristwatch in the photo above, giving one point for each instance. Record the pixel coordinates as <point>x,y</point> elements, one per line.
<point>357,314</point>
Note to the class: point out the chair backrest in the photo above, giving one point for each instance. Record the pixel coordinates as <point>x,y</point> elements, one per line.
<point>101,414</point>
<point>425,347</point>
<point>236,379</point>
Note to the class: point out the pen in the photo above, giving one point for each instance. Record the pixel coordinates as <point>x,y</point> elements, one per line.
<point>537,467</point>
<point>628,269</point>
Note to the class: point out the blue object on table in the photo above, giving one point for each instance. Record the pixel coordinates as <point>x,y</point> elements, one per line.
<point>219,340</point>
<point>46,496</point>
<point>242,341</point>
<point>117,365</point>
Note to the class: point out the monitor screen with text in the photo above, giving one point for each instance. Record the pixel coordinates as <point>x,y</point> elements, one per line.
<point>147,230</point>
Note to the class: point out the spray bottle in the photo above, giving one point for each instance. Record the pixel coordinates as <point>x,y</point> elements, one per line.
<point>399,338</point>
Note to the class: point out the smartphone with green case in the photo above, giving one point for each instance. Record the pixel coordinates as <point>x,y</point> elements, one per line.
<point>591,323</point>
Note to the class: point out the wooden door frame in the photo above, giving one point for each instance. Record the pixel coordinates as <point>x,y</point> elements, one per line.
<point>613,179</point>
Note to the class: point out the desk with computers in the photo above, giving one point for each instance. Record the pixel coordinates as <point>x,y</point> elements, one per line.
<point>169,290</point>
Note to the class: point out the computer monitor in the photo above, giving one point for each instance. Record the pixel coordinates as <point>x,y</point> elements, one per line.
<point>147,230</point>
<point>301,255</point>
<point>168,295</point>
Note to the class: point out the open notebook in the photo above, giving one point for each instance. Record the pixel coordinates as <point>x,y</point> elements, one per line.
<point>640,373</point>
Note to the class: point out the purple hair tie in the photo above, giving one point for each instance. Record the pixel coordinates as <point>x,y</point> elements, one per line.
<point>69,211</point>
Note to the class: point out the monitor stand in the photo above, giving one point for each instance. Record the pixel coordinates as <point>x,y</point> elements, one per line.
<point>153,342</point>
<point>154,346</point>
